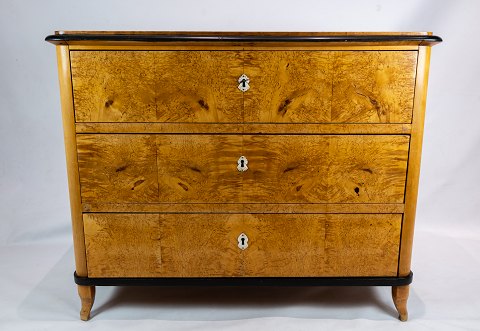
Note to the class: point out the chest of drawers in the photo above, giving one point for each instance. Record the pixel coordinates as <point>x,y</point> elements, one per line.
<point>243,158</point>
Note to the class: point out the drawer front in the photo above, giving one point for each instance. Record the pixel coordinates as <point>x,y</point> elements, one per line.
<point>330,87</point>
<point>160,86</point>
<point>285,86</point>
<point>207,245</point>
<point>143,168</point>
<point>137,168</point>
<point>325,168</point>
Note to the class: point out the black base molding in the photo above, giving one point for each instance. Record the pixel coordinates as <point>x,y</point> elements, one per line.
<point>246,281</point>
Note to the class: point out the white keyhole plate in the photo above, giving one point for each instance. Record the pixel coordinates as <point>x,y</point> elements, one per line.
<point>242,164</point>
<point>243,81</point>
<point>242,241</point>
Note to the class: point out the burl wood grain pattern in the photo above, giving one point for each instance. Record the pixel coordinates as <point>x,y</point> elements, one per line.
<point>159,168</point>
<point>206,245</point>
<point>118,167</point>
<point>251,208</point>
<point>332,132</point>
<point>362,241</point>
<point>282,245</point>
<point>400,298</point>
<point>150,245</point>
<point>330,86</point>
<point>321,245</point>
<point>373,86</point>
<point>245,128</point>
<point>203,168</point>
<point>325,168</point>
<point>161,86</point>
<point>286,86</point>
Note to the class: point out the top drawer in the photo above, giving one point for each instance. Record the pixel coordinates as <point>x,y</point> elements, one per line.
<point>285,86</point>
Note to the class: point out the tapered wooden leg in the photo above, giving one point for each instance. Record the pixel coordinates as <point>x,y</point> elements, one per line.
<point>87,295</point>
<point>400,297</point>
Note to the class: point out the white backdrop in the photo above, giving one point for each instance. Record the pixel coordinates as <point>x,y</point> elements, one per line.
<point>35,237</point>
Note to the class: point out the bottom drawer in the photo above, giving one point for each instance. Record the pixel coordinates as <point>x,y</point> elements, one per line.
<point>207,245</point>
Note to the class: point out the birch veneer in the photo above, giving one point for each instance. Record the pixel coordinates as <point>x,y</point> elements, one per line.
<point>243,158</point>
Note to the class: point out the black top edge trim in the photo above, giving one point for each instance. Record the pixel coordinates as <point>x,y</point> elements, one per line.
<point>237,38</point>
<point>246,281</point>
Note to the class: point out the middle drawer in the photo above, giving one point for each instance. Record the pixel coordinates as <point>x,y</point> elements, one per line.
<point>156,168</point>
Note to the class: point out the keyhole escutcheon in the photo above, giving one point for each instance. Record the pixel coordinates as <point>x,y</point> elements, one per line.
<point>243,81</point>
<point>242,241</point>
<point>242,164</point>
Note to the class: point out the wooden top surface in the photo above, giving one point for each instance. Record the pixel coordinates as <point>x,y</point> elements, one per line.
<point>405,38</point>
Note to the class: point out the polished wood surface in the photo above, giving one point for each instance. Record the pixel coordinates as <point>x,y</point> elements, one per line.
<point>254,208</point>
<point>332,130</point>
<point>250,128</point>
<point>186,38</point>
<point>290,86</point>
<point>138,168</point>
<point>228,46</point>
<point>373,87</point>
<point>249,33</point>
<point>415,152</point>
<point>87,297</point>
<point>66,99</point>
<point>160,168</point>
<point>329,87</point>
<point>157,86</point>
<point>400,298</point>
<point>196,245</point>
<point>318,169</point>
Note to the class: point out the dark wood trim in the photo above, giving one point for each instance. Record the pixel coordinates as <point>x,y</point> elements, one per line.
<point>241,38</point>
<point>247,281</point>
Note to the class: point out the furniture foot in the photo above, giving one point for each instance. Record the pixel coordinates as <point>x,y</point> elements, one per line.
<point>400,297</point>
<point>87,295</point>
